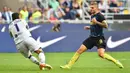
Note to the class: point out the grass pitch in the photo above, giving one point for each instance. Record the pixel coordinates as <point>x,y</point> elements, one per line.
<point>89,62</point>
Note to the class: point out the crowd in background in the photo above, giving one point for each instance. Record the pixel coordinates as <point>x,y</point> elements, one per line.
<point>113,6</point>
<point>6,15</point>
<point>61,10</point>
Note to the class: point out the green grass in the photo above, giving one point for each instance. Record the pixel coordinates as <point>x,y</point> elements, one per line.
<point>89,62</point>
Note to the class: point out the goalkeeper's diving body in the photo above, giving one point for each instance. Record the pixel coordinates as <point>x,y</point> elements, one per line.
<point>19,31</point>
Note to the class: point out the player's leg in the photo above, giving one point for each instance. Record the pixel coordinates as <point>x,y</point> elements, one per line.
<point>41,56</point>
<point>86,44</point>
<point>26,53</point>
<point>100,43</point>
<point>75,57</point>
<point>34,46</point>
<point>102,54</point>
<point>33,59</point>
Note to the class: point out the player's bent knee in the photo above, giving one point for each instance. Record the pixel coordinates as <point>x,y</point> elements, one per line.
<point>101,55</point>
<point>38,51</point>
<point>29,56</point>
<point>81,50</point>
<point>101,52</point>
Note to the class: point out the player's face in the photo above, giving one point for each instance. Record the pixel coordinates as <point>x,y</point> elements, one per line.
<point>93,9</point>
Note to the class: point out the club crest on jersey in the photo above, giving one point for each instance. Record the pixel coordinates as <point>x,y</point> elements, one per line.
<point>100,41</point>
<point>91,23</point>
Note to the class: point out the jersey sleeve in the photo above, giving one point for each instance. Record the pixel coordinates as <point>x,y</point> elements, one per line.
<point>26,24</point>
<point>102,18</point>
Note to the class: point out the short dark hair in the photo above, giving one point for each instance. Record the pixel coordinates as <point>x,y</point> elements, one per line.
<point>15,16</point>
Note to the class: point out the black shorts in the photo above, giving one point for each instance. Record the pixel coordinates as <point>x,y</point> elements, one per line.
<point>99,42</point>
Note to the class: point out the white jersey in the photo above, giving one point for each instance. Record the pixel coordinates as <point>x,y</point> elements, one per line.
<point>19,30</point>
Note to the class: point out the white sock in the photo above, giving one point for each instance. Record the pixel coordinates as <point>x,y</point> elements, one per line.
<point>42,58</point>
<point>34,60</point>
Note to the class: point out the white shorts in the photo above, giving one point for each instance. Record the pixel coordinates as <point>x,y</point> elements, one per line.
<point>27,46</point>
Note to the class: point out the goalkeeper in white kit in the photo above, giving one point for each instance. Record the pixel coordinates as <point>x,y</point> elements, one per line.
<point>25,44</point>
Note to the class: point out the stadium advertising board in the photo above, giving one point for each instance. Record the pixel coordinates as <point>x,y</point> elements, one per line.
<point>68,39</point>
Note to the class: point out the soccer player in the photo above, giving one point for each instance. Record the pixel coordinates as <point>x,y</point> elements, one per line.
<point>96,38</point>
<point>25,43</point>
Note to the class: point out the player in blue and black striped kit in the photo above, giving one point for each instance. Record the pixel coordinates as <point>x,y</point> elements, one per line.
<point>96,38</point>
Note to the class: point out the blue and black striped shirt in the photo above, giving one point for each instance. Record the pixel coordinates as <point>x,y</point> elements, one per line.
<point>97,30</point>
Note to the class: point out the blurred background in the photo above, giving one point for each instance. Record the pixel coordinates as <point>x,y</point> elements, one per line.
<point>72,15</point>
<point>117,12</point>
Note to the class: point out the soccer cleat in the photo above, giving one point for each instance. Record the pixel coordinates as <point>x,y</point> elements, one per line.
<point>41,66</point>
<point>65,67</point>
<point>45,66</point>
<point>118,63</point>
<point>48,66</point>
